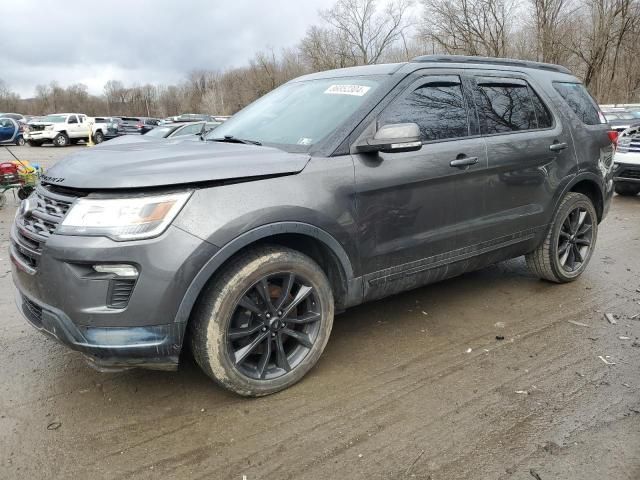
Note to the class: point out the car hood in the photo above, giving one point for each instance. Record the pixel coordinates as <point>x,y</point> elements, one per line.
<point>137,162</point>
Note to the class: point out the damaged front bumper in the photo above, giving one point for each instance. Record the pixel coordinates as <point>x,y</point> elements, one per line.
<point>108,348</point>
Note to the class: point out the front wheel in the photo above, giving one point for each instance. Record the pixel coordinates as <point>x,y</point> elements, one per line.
<point>263,323</point>
<point>61,140</point>
<point>98,137</point>
<point>566,250</point>
<point>20,141</point>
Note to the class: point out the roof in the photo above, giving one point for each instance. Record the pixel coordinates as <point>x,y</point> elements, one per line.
<point>377,69</point>
<point>507,62</point>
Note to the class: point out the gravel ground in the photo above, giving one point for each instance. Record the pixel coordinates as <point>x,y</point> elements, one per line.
<point>414,386</point>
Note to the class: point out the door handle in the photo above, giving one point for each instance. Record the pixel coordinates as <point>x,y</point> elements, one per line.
<point>556,147</point>
<point>463,162</point>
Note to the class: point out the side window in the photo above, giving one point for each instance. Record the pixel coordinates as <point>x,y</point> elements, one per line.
<point>438,107</point>
<point>72,119</point>
<point>579,101</point>
<point>189,130</point>
<point>504,107</point>
<point>545,120</point>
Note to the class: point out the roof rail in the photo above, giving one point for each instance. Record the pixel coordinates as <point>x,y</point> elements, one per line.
<point>510,62</point>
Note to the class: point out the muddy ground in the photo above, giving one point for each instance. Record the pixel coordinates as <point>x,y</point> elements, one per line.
<point>414,386</point>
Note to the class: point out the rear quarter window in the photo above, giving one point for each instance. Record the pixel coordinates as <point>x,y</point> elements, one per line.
<point>579,100</point>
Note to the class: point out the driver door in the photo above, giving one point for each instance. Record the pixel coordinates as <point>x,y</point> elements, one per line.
<point>412,206</point>
<point>7,130</point>
<point>73,126</point>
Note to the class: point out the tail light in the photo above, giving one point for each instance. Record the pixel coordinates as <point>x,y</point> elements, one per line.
<point>613,136</point>
<point>139,126</point>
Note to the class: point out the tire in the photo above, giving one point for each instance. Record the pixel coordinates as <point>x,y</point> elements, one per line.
<point>546,261</point>
<point>33,143</point>
<point>24,192</point>
<point>61,140</point>
<point>98,137</point>
<point>626,190</point>
<point>20,142</point>
<point>219,315</point>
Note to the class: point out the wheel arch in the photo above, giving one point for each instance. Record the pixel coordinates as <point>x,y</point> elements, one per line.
<point>318,244</point>
<point>590,185</point>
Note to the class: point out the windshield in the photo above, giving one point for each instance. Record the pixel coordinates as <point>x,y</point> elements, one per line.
<point>300,113</point>
<point>160,132</point>
<point>54,119</point>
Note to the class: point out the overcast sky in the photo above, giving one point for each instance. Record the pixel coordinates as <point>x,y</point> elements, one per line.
<point>140,41</point>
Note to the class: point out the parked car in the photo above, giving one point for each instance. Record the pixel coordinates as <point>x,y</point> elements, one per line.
<point>620,121</point>
<point>335,189</point>
<point>137,125</point>
<point>61,129</point>
<point>11,131</point>
<point>15,116</point>
<point>627,163</point>
<point>187,129</point>
<point>104,128</point>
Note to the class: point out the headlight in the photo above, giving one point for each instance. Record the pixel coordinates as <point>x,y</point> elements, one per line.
<point>123,218</point>
<point>48,127</point>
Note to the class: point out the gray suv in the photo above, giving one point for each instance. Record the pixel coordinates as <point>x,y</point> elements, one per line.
<point>335,189</point>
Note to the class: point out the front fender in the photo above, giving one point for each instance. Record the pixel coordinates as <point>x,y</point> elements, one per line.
<point>252,236</point>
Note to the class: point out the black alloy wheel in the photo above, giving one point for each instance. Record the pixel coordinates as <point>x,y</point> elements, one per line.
<point>575,239</point>
<point>274,326</point>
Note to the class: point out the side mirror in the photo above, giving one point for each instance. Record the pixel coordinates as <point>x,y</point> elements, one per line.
<point>397,137</point>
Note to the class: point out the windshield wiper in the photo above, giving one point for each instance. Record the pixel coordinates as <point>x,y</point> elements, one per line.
<point>232,139</point>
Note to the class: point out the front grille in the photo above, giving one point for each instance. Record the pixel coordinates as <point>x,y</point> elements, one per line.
<point>120,292</point>
<point>32,311</point>
<point>629,173</point>
<point>40,222</point>
<point>36,128</point>
<point>629,142</point>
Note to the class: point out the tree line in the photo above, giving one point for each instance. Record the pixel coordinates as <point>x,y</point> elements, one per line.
<point>597,39</point>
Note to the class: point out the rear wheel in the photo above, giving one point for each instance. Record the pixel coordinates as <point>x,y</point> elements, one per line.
<point>626,189</point>
<point>263,323</point>
<point>61,140</point>
<point>566,250</point>
<point>98,137</point>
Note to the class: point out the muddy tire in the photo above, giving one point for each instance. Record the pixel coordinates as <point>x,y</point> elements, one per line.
<point>61,140</point>
<point>626,190</point>
<point>567,248</point>
<point>262,323</point>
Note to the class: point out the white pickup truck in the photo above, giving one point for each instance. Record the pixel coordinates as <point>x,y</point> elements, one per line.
<point>61,129</point>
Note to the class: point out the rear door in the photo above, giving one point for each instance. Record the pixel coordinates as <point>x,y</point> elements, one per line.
<point>407,202</point>
<point>529,152</point>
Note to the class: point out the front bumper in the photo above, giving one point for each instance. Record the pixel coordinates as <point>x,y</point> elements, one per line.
<point>40,135</point>
<point>61,295</point>
<point>108,348</point>
<point>626,168</point>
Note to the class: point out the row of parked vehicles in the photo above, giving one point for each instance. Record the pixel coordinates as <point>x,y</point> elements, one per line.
<point>64,129</point>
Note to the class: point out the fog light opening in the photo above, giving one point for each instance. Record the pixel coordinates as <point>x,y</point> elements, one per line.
<point>119,270</point>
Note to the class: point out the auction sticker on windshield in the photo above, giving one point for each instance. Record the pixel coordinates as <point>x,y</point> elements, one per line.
<point>356,90</point>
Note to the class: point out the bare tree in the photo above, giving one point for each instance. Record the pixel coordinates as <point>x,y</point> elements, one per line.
<point>551,19</point>
<point>472,27</point>
<point>367,31</point>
